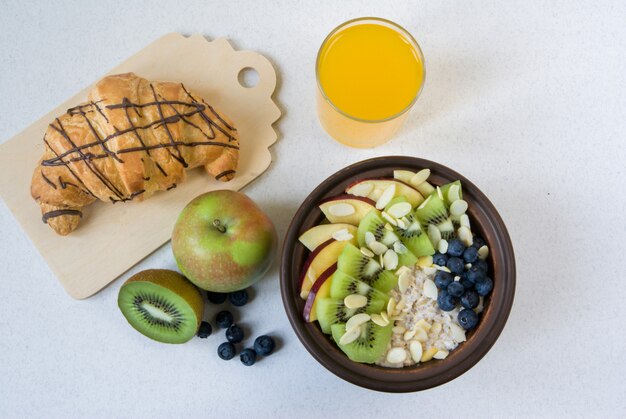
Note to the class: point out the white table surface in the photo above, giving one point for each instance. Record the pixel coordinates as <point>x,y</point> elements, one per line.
<point>526,100</point>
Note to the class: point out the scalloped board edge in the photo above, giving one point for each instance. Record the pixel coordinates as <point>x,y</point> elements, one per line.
<point>113,238</point>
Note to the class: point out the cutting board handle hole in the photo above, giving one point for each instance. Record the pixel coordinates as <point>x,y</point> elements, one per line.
<point>248,77</point>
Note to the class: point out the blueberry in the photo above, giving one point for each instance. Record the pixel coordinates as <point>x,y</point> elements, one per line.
<point>224,319</point>
<point>455,289</point>
<point>467,284</point>
<point>482,265</point>
<point>248,357</point>
<point>264,345</point>
<point>443,279</point>
<point>470,299</point>
<point>215,297</point>
<point>440,259</point>
<point>484,286</point>
<point>204,331</point>
<point>226,351</point>
<point>238,298</point>
<point>478,242</point>
<point>470,255</point>
<point>446,301</point>
<point>467,318</point>
<point>475,274</point>
<point>456,265</point>
<point>455,247</point>
<point>234,334</point>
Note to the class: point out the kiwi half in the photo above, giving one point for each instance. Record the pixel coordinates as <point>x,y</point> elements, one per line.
<point>355,264</point>
<point>162,305</point>
<point>433,211</point>
<point>333,310</point>
<point>369,346</point>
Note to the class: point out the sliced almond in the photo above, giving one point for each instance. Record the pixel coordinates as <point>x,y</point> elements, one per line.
<point>384,317</point>
<point>439,193</point>
<point>429,289</point>
<point>369,237</point>
<point>458,207</point>
<point>420,177</point>
<point>479,308</point>
<point>379,320</point>
<point>443,246</point>
<point>398,329</point>
<point>415,348</point>
<point>377,247</point>
<point>357,320</point>
<point>341,209</point>
<point>429,270</point>
<point>403,282</point>
<point>401,224</point>
<point>386,196</point>
<point>396,355</point>
<point>454,193</point>
<point>425,261</point>
<point>400,209</point>
<point>408,335</point>
<point>362,189</point>
<point>420,334</point>
<point>390,260</point>
<point>355,301</point>
<point>423,204</point>
<point>464,221</point>
<point>350,336</point>
<point>443,268</point>
<point>367,252</point>
<point>400,248</point>
<point>441,354</point>
<point>342,235</point>
<point>391,307</point>
<point>401,270</point>
<point>434,235</point>
<point>388,227</point>
<point>423,324</point>
<point>465,235</point>
<point>389,218</point>
<point>400,305</point>
<point>457,332</point>
<point>483,252</point>
<point>428,354</point>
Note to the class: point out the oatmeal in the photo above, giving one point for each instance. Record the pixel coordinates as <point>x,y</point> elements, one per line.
<point>422,330</point>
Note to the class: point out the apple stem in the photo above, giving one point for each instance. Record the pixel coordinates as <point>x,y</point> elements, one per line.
<point>218,225</point>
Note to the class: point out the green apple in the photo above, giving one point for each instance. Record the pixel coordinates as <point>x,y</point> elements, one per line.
<point>223,242</point>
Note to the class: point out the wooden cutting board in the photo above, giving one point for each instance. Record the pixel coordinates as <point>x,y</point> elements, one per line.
<point>113,238</point>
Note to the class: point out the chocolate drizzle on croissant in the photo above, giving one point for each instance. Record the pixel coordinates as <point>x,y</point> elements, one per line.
<point>132,138</point>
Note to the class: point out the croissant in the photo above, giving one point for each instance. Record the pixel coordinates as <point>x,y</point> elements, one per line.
<point>130,139</point>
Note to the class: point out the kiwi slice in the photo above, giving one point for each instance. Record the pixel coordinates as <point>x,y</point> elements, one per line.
<point>369,346</point>
<point>333,310</point>
<point>355,264</point>
<point>375,224</point>
<point>415,238</point>
<point>343,284</point>
<point>433,211</point>
<point>162,304</point>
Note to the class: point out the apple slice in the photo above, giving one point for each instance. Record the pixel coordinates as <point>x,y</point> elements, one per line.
<point>317,235</point>
<point>319,260</point>
<point>320,289</point>
<point>373,189</point>
<point>347,209</point>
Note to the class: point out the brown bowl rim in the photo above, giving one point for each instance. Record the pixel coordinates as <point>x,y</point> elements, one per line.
<point>483,215</point>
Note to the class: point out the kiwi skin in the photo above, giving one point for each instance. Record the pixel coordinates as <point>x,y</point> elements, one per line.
<point>174,282</point>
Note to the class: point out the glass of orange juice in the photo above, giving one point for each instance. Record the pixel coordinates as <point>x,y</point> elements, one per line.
<point>370,72</point>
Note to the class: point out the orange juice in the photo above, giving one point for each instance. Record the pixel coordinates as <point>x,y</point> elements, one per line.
<point>370,72</point>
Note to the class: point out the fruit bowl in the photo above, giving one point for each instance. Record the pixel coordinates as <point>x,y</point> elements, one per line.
<point>485,221</point>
